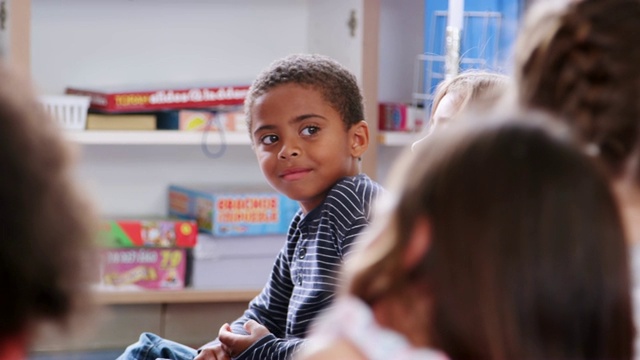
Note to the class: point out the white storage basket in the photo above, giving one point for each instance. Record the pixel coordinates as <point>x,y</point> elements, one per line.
<point>68,111</point>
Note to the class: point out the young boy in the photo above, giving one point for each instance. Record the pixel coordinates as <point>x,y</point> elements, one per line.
<point>305,117</point>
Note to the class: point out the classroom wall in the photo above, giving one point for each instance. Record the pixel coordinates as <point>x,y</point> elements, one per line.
<point>129,39</point>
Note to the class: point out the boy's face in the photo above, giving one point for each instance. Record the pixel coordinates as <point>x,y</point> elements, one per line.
<point>302,145</point>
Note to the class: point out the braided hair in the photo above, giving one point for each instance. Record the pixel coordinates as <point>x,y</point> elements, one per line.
<point>580,61</point>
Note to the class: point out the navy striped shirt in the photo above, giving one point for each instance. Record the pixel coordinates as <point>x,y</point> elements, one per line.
<point>305,273</point>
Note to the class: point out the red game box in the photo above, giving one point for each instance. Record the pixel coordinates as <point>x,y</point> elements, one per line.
<point>165,233</point>
<point>136,99</point>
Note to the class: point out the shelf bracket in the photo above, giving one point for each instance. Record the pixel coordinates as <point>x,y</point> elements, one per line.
<point>3,15</point>
<point>352,23</point>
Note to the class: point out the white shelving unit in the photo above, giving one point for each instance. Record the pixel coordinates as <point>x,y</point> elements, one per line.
<point>170,137</point>
<point>157,137</point>
<point>110,42</point>
<point>397,138</point>
<point>182,41</point>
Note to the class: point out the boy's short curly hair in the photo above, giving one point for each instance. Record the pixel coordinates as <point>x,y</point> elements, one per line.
<point>337,85</point>
<point>46,224</point>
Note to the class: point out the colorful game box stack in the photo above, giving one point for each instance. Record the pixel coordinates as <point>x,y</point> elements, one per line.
<point>241,232</point>
<point>146,254</point>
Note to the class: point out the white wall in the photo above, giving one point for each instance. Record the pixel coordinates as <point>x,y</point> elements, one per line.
<point>329,32</point>
<point>98,42</point>
<point>401,39</point>
<point>133,180</point>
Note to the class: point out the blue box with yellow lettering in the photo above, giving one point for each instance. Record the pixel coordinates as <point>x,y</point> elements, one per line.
<point>228,211</point>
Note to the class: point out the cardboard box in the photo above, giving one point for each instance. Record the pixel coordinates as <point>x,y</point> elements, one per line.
<point>145,268</point>
<point>242,263</point>
<point>225,212</point>
<point>229,119</point>
<point>165,233</point>
<point>400,117</point>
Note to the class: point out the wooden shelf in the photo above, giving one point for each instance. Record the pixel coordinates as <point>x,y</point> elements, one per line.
<point>397,138</point>
<point>117,297</point>
<point>171,137</point>
<point>155,137</point>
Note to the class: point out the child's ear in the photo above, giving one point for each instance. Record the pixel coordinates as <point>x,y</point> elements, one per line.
<point>359,138</point>
<point>419,243</point>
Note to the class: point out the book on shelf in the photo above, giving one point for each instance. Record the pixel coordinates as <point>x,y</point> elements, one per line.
<point>215,119</point>
<point>121,121</point>
<point>146,99</point>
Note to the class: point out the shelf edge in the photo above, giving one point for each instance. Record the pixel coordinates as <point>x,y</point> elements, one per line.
<point>154,137</point>
<point>117,297</point>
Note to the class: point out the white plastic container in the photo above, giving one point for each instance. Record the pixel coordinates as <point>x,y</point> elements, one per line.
<point>68,111</point>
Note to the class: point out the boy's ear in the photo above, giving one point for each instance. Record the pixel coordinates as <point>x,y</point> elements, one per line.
<point>419,243</point>
<point>359,138</point>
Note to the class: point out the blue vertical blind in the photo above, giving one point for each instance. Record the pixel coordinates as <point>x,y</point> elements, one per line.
<point>488,34</point>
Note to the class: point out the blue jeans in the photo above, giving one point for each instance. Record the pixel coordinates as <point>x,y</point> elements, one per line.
<point>151,346</point>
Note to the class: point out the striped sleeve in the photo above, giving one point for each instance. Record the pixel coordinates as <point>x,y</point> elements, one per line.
<point>349,208</point>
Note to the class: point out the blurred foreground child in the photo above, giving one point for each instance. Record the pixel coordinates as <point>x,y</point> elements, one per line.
<point>501,241</point>
<point>46,226</point>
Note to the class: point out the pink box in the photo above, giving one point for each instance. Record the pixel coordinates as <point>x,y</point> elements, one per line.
<point>145,268</point>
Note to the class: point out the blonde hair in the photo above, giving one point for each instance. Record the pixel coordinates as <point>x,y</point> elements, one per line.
<point>472,86</point>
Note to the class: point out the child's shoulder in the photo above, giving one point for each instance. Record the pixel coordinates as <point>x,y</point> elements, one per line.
<point>359,184</point>
<point>354,193</point>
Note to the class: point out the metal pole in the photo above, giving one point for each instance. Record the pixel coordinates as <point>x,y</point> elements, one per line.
<point>455,18</point>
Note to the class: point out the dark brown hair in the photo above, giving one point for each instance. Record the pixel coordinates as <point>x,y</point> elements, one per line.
<point>337,85</point>
<point>527,257</point>
<point>46,225</point>
<point>580,62</point>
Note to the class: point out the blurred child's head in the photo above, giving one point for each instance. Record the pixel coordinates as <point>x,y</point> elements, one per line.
<point>47,227</point>
<point>513,236</point>
<point>306,124</point>
<point>473,89</point>
<point>470,88</point>
<point>580,61</point>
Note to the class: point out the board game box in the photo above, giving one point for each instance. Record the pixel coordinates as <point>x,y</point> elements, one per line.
<point>227,118</point>
<point>223,211</point>
<point>145,268</point>
<point>166,233</point>
<point>140,98</point>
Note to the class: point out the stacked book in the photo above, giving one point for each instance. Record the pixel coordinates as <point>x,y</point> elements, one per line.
<point>186,107</point>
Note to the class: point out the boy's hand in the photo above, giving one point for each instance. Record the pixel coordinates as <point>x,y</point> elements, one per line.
<point>215,352</point>
<point>235,344</point>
